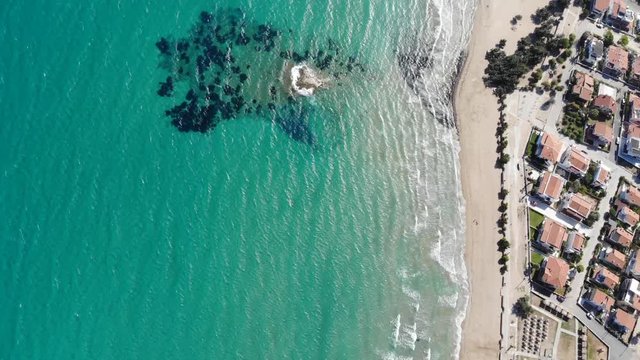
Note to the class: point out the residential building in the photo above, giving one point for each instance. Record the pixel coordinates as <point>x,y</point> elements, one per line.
<point>601,177</point>
<point>634,106</point>
<point>621,16</point>
<point>575,161</point>
<point>578,206</point>
<point>554,272</point>
<point>632,139</point>
<point>622,321</point>
<point>602,134</point>
<point>594,51</point>
<point>633,268</point>
<point>575,243</point>
<point>551,235</point>
<point>635,71</point>
<point>599,7</point>
<point>630,295</point>
<point>613,258</point>
<point>616,62</point>
<point>628,216</point>
<point>583,87</point>
<point>630,195</point>
<point>620,237</point>
<point>606,104</point>
<point>599,301</point>
<point>550,187</point>
<point>549,148</point>
<point>605,277</point>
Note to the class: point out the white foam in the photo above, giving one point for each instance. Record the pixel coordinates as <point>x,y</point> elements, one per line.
<point>302,74</point>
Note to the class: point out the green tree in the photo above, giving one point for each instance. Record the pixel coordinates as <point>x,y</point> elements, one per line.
<point>580,268</point>
<point>624,40</point>
<point>523,307</point>
<point>608,38</point>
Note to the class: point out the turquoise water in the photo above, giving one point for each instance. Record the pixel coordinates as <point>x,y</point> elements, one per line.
<point>123,238</point>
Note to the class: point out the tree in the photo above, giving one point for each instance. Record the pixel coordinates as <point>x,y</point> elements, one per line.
<point>624,40</point>
<point>523,307</point>
<point>608,38</point>
<point>503,245</point>
<point>580,268</point>
<point>503,259</point>
<point>504,159</point>
<point>501,44</point>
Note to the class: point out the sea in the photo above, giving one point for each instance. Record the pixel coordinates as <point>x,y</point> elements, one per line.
<point>164,194</point>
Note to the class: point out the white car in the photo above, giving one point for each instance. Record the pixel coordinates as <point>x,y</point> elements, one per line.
<point>589,315</point>
<point>599,24</point>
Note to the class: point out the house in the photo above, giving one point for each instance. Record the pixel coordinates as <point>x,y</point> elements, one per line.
<point>616,62</point>
<point>551,235</point>
<point>605,277</point>
<point>622,321</point>
<point>599,8</point>
<point>549,148</point>
<point>621,16</point>
<point>601,177</point>
<point>613,258</point>
<point>602,134</point>
<point>634,106</point>
<point>575,161</point>
<point>582,90</point>
<point>575,243</point>
<point>628,216</point>
<point>606,104</point>
<point>550,187</point>
<point>633,268</point>
<point>599,301</point>
<point>620,237</point>
<point>630,195</point>
<point>632,140</point>
<point>578,206</point>
<point>594,51</point>
<point>554,272</point>
<point>630,295</point>
<point>635,72</point>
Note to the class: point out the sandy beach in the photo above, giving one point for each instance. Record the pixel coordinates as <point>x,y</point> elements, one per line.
<point>477,117</point>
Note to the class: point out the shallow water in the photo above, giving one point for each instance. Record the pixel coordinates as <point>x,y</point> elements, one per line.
<point>330,232</point>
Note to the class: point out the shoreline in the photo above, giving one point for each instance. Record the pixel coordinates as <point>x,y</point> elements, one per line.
<point>476,123</point>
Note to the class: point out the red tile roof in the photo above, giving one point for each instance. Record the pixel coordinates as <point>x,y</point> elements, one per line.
<point>628,216</point>
<point>632,195</point>
<point>601,5</point>
<point>625,319</point>
<point>551,185</point>
<point>578,241</point>
<point>601,298</point>
<point>553,233</point>
<point>556,272</point>
<point>581,205</point>
<point>633,130</point>
<point>551,148</point>
<point>578,160</point>
<point>616,258</point>
<point>605,102</point>
<point>603,130</point>
<point>605,277</point>
<point>635,66</point>
<point>621,236</point>
<point>584,86</point>
<point>618,58</point>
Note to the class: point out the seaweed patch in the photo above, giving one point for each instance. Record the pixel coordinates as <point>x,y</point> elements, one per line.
<point>219,70</point>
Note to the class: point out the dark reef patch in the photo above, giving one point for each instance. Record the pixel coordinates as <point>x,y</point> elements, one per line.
<point>212,67</point>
